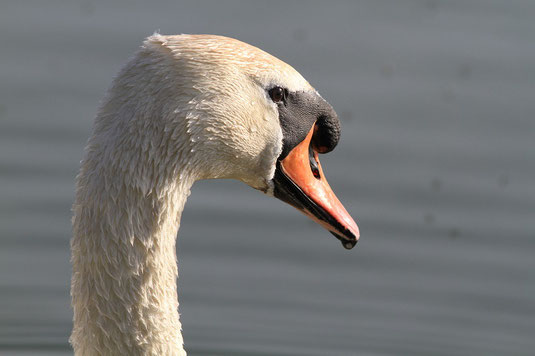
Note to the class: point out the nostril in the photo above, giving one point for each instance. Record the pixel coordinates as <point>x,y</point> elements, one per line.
<point>316,173</point>
<point>313,163</point>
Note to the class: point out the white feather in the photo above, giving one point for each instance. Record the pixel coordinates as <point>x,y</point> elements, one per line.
<point>184,108</point>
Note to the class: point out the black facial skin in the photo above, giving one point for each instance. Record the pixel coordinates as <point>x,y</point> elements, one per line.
<point>298,111</point>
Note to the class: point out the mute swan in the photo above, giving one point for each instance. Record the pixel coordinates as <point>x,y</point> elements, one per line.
<point>185,108</point>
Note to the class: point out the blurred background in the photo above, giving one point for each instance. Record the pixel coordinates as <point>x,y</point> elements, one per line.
<point>436,163</point>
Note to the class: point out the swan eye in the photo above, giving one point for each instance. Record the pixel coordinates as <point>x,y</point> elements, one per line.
<point>277,94</point>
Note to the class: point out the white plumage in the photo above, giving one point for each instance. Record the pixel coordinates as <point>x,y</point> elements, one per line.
<point>184,108</point>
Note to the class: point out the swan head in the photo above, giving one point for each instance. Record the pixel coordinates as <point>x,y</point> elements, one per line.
<point>248,116</point>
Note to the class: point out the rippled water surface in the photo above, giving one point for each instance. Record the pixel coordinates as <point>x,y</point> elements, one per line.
<point>436,162</point>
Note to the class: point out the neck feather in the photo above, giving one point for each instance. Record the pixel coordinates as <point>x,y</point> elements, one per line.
<point>131,189</point>
<point>124,290</point>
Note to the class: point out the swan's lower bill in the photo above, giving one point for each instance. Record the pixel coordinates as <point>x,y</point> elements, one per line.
<point>299,181</point>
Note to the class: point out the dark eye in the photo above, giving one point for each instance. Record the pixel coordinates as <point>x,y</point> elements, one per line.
<point>277,94</point>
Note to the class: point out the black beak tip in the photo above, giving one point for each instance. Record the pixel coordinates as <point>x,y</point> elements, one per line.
<point>348,244</point>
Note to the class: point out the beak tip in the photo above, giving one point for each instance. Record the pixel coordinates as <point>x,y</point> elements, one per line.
<point>348,240</point>
<point>354,232</point>
<point>348,245</point>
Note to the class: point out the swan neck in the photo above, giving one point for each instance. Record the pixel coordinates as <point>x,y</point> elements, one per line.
<point>133,183</point>
<point>124,282</point>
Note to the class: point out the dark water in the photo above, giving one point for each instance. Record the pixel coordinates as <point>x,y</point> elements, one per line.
<point>436,162</point>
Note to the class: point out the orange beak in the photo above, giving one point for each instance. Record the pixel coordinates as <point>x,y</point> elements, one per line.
<point>300,181</point>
